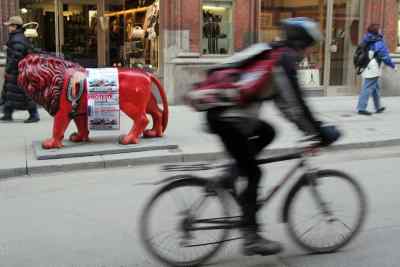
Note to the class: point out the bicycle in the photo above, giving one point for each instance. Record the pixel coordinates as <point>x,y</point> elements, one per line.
<point>191,222</point>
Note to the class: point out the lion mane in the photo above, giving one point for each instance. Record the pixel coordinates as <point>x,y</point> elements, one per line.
<point>42,77</point>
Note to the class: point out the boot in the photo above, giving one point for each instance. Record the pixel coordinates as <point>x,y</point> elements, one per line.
<point>6,117</point>
<point>33,116</point>
<point>254,244</point>
<point>31,120</point>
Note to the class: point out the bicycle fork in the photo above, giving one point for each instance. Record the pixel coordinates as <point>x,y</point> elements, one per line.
<point>323,205</point>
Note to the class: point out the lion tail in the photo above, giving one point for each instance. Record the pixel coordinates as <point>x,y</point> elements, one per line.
<point>164,101</point>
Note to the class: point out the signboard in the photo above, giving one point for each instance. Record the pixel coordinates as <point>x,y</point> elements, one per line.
<point>103,99</point>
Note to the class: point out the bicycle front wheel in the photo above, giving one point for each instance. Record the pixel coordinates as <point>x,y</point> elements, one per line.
<point>177,224</point>
<point>327,214</point>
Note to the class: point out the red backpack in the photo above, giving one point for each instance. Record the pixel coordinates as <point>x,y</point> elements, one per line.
<point>238,81</point>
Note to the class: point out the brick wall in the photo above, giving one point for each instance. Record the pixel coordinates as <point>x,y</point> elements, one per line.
<point>383,12</point>
<point>241,23</point>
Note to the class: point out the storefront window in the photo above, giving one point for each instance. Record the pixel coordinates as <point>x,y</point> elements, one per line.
<point>79,42</point>
<point>43,13</point>
<point>329,63</point>
<point>217,27</point>
<point>133,33</point>
<point>273,11</point>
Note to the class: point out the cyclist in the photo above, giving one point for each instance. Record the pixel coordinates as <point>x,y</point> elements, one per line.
<point>244,135</point>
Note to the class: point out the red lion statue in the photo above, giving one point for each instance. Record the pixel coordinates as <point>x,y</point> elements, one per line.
<point>45,79</point>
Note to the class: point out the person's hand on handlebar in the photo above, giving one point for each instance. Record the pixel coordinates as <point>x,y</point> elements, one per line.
<point>328,135</point>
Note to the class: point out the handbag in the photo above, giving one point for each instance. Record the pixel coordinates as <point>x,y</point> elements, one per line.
<point>137,33</point>
<point>31,32</point>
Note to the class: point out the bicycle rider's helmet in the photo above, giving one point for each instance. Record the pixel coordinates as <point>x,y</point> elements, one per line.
<point>301,32</point>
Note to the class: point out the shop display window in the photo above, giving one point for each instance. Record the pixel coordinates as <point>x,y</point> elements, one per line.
<point>43,13</point>
<point>216,27</point>
<point>133,38</point>
<point>273,11</point>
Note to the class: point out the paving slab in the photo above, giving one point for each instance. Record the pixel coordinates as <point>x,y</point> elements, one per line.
<point>186,134</point>
<point>13,161</point>
<point>143,158</point>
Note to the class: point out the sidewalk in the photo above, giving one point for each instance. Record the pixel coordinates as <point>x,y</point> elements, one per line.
<point>185,130</point>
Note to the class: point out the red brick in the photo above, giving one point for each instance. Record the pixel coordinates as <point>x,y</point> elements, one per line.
<point>241,22</point>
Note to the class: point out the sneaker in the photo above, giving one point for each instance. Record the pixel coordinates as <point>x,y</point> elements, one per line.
<point>6,118</point>
<point>254,244</point>
<point>31,120</point>
<point>364,112</point>
<point>381,110</point>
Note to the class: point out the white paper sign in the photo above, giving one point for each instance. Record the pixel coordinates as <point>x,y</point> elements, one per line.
<point>103,99</point>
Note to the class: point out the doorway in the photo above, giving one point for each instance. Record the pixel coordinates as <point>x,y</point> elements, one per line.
<point>328,69</point>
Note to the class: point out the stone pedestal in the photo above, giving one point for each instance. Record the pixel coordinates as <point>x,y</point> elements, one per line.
<point>104,145</point>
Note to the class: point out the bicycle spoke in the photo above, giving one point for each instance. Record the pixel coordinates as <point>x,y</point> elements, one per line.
<point>310,228</point>
<point>178,202</point>
<point>177,238</point>
<point>199,206</point>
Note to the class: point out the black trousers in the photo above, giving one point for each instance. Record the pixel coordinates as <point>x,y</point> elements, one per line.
<point>244,138</point>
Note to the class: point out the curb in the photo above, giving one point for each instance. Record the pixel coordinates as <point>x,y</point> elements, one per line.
<point>168,156</point>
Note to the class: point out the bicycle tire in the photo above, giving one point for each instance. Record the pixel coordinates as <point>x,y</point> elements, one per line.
<point>187,180</point>
<point>361,213</point>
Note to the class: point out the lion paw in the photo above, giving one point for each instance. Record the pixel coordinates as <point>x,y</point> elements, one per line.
<point>128,139</point>
<point>75,137</point>
<point>151,134</point>
<point>52,143</point>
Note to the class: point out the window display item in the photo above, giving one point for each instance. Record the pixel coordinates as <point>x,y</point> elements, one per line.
<point>31,32</point>
<point>136,33</point>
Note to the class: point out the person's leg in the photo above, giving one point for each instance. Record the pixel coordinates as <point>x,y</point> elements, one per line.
<point>364,95</point>
<point>263,135</point>
<point>7,113</point>
<point>33,115</point>
<point>237,144</point>
<point>376,96</point>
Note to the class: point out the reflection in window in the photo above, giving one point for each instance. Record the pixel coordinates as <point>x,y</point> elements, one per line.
<point>41,12</point>
<point>133,32</point>
<point>310,72</point>
<point>217,27</point>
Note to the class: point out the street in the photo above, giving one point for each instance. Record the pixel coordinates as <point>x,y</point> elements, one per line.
<point>90,218</point>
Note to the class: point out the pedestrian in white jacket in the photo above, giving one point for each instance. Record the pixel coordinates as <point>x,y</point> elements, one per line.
<point>378,54</point>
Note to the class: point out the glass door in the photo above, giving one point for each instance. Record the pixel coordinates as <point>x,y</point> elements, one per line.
<point>312,68</point>
<point>341,40</point>
<point>77,31</point>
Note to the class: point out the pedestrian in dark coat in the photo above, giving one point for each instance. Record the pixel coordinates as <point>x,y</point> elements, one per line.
<point>18,46</point>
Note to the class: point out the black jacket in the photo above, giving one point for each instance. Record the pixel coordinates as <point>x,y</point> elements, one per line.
<point>18,46</point>
<point>289,96</point>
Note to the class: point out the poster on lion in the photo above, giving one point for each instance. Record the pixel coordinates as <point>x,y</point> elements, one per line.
<point>103,99</point>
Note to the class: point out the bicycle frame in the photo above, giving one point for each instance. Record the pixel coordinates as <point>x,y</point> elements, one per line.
<point>234,221</point>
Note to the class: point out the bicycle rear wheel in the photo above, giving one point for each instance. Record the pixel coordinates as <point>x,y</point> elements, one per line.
<point>169,220</point>
<point>326,216</point>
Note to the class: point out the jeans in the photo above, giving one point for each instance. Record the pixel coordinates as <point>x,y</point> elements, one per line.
<point>370,87</point>
<point>244,149</point>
